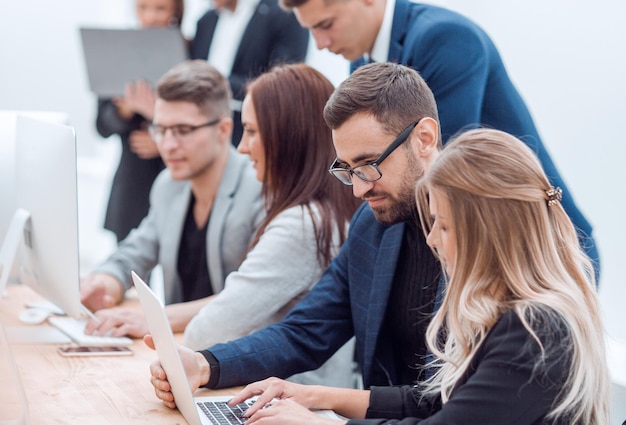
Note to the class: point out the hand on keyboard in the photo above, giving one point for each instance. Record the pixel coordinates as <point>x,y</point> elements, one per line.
<point>119,320</point>
<point>74,328</point>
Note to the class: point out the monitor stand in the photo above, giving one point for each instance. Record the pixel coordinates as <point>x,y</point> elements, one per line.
<point>23,334</point>
<point>10,246</point>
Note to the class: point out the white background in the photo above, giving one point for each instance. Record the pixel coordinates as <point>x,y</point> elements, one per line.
<point>566,57</point>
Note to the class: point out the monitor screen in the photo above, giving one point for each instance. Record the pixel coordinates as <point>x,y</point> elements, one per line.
<point>46,188</point>
<point>7,158</point>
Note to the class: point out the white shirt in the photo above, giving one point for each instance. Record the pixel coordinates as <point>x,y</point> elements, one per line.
<point>228,33</point>
<point>380,51</point>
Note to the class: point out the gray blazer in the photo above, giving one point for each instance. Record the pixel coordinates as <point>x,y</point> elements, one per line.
<point>235,216</point>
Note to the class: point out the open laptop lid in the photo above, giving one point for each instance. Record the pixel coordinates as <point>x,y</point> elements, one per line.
<point>114,57</point>
<point>167,350</point>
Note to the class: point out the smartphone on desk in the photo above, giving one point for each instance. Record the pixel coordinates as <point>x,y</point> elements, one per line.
<point>94,351</point>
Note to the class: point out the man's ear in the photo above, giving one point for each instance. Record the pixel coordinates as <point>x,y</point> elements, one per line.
<point>225,127</point>
<point>425,137</point>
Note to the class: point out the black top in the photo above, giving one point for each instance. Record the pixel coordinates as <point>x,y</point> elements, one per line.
<point>505,383</point>
<point>192,258</point>
<point>411,304</point>
<point>130,190</point>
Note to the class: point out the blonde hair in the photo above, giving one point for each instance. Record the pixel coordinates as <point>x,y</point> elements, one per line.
<point>514,252</point>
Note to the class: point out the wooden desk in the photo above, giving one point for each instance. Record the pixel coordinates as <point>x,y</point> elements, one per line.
<point>85,390</point>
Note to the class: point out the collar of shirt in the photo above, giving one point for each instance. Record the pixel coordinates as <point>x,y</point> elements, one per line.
<point>228,34</point>
<point>380,51</point>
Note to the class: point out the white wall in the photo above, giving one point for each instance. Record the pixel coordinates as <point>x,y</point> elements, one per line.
<point>566,57</point>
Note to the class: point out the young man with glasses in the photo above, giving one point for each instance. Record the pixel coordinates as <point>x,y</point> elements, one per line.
<point>204,208</point>
<point>382,286</point>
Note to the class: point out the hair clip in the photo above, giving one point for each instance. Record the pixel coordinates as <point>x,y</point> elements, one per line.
<point>555,194</point>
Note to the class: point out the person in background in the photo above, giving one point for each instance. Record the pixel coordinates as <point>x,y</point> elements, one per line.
<point>306,214</point>
<point>204,207</point>
<point>243,38</point>
<point>128,117</point>
<point>519,335</point>
<point>457,59</point>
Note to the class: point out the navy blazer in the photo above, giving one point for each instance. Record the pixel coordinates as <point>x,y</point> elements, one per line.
<point>272,36</point>
<point>350,299</point>
<point>464,70</point>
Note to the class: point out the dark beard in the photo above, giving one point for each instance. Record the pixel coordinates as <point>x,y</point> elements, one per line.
<point>401,210</point>
<point>404,207</point>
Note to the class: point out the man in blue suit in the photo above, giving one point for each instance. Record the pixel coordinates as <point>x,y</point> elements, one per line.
<point>243,38</point>
<point>382,286</point>
<point>457,59</point>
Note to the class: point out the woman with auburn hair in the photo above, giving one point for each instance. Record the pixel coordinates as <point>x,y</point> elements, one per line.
<point>306,213</point>
<point>518,338</point>
<point>288,142</point>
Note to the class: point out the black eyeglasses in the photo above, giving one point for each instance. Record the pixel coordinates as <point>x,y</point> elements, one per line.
<point>179,131</point>
<point>369,171</point>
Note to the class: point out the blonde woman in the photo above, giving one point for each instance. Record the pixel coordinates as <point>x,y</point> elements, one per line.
<point>518,338</point>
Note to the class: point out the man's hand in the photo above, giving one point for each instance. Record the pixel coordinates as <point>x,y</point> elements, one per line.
<point>196,367</point>
<point>99,291</point>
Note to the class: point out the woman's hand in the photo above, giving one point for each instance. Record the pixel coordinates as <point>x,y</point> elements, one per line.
<point>272,392</point>
<point>142,144</point>
<point>139,98</point>
<point>289,412</point>
<point>269,390</point>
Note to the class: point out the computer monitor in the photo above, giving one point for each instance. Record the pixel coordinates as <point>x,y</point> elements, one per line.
<point>46,197</point>
<point>7,158</point>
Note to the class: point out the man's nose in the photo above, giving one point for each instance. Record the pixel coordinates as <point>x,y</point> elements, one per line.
<point>322,41</point>
<point>360,187</point>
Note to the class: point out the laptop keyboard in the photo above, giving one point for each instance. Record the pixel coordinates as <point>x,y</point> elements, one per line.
<point>219,412</point>
<point>75,330</point>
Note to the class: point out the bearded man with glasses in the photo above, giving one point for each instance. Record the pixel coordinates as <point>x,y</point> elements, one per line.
<point>383,285</point>
<point>205,207</point>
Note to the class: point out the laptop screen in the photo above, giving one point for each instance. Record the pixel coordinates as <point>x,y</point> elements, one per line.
<point>114,57</point>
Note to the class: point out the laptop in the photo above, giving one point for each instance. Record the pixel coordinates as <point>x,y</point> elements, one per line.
<point>114,57</point>
<point>212,410</point>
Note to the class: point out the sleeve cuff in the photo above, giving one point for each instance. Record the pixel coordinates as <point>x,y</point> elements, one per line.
<point>385,402</point>
<point>214,365</point>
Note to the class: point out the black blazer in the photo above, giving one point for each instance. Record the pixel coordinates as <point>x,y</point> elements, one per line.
<point>272,36</point>
<point>505,383</point>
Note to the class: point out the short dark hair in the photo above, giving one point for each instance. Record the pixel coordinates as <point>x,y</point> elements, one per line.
<point>290,4</point>
<point>394,94</point>
<point>198,82</point>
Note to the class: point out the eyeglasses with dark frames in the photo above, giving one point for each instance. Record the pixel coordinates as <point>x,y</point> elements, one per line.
<point>369,171</point>
<point>179,131</point>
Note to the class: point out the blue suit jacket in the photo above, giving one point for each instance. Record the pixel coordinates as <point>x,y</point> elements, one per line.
<point>350,299</point>
<point>464,70</point>
<point>272,36</point>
